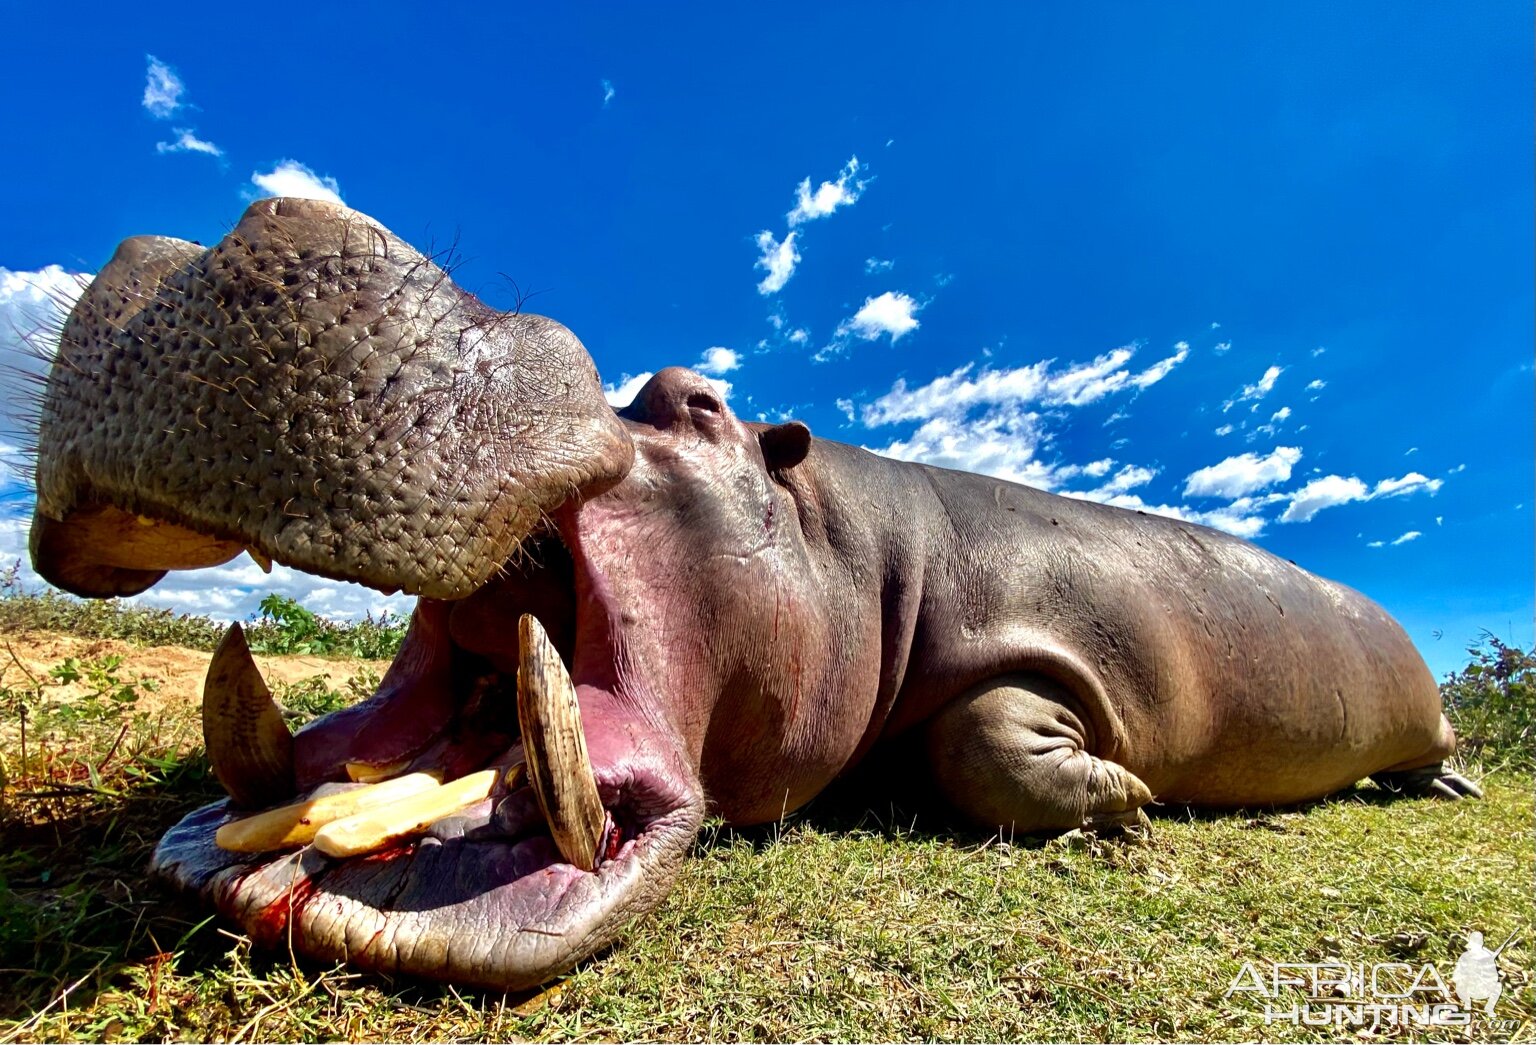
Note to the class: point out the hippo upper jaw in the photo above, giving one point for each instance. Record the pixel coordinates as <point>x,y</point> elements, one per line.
<point>484,896</point>
<point>316,390</point>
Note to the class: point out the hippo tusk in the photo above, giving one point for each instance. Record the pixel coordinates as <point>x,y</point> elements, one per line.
<point>248,743</point>
<point>556,747</point>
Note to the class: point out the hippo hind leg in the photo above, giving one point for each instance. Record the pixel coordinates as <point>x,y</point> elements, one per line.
<point>1011,754</point>
<point>1426,776</point>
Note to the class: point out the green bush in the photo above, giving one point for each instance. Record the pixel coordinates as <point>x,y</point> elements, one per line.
<point>1492,704</point>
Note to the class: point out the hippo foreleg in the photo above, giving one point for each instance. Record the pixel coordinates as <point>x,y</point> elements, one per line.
<point>1012,754</point>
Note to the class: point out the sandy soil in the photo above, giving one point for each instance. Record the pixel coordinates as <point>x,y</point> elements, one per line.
<point>178,672</point>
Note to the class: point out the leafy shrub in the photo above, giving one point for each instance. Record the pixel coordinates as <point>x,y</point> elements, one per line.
<point>1492,703</point>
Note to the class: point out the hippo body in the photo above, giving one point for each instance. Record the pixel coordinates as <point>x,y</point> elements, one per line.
<point>629,619</point>
<point>1213,671</point>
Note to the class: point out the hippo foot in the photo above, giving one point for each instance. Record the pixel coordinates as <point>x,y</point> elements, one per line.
<point>1132,825</point>
<point>1432,781</point>
<point>1013,754</point>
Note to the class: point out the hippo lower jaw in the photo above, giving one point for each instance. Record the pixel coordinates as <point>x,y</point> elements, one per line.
<point>483,896</point>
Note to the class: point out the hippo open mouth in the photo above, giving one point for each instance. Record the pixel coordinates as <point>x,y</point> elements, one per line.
<point>313,390</point>
<point>525,809</point>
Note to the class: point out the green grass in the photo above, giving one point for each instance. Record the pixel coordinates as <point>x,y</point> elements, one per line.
<point>867,917</point>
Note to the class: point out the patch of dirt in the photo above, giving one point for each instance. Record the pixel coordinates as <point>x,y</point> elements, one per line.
<point>177,673</point>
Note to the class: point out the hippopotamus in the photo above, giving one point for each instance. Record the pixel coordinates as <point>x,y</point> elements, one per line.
<point>628,620</point>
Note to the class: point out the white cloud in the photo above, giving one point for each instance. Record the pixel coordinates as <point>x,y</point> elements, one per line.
<point>608,92</point>
<point>828,196</point>
<point>188,141</point>
<point>876,265</point>
<point>1224,430</point>
<point>33,306</point>
<point>1159,370</point>
<point>1126,479</point>
<point>1317,385</point>
<point>162,89</point>
<point>845,407</point>
<point>1410,483</point>
<point>1078,384</point>
<point>1243,474</point>
<point>778,260</point>
<point>1458,468</point>
<point>1319,350</point>
<point>292,178</point>
<point>1326,492</point>
<point>1411,535</point>
<point>1003,444</point>
<point>1256,391</point>
<point>1281,414</point>
<point>892,313</point>
<point>799,335</point>
<point>1096,469</point>
<point>623,393</point>
<point>718,360</point>
<point>1222,347</point>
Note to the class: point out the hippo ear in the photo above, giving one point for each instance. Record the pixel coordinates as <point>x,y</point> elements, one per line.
<point>785,445</point>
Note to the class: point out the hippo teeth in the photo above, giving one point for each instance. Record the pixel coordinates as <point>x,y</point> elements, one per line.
<point>298,823</point>
<point>555,747</point>
<point>248,743</point>
<point>402,818</point>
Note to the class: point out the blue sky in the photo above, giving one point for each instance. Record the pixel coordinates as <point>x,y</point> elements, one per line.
<point>1265,266</point>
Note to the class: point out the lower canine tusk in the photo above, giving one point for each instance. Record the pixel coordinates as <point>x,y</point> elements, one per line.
<point>555,747</point>
<point>248,743</point>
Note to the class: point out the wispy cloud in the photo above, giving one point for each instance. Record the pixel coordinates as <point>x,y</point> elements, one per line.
<point>162,89</point>
<point>608,92</point>
<point>828,196</point>
<point>957,392</point>
<point>1330,491</point>
<point>1243,474</point>
<point>292,178</point>
<point>1413,482</point>
<point>877,265</point>
<point>188,141</point>
<point>1256,391</point>
<point>1411,535</point>
<point>778,259</point>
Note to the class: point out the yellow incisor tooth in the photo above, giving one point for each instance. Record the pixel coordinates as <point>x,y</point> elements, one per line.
<point>296,824</point>
<point>406,818</point>
<point>369,773</point>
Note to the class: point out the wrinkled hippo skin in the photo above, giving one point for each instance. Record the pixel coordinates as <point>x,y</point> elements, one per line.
<point>745,611</point>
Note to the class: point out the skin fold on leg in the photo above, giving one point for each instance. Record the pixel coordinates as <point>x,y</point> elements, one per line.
<point>1014,754</point>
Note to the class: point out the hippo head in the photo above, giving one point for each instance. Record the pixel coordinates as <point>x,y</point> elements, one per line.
<point>527,778</point>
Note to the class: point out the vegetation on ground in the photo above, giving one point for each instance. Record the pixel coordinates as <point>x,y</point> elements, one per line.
<point>868,916</point>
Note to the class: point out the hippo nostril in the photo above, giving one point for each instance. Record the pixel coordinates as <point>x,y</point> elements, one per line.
<point>703,401</point>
